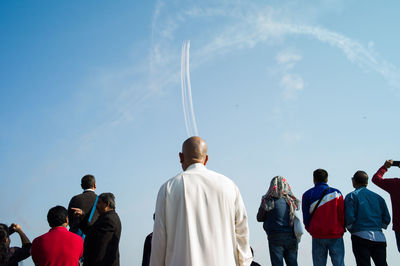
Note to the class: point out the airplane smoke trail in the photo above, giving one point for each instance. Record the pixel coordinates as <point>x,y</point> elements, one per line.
<point>188,111</point>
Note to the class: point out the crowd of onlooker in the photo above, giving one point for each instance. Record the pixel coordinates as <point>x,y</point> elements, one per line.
<point>200,219</point>
<point>92,240</point>
<point>326,216</point>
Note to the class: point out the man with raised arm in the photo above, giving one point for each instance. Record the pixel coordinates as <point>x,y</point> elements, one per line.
<point>200,218</point>
<point>392,186</point>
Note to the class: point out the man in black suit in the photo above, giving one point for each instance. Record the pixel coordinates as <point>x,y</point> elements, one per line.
<point>102,238</point>
<point>84,201</point>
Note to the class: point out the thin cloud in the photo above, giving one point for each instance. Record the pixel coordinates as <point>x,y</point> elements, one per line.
<point>250,28</point>
<point>290,137</point>
<point>292,84</point>
<point>288,57</point>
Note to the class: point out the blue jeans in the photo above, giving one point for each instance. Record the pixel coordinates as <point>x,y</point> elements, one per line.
<point>282,246</point>
<point>320,248</point>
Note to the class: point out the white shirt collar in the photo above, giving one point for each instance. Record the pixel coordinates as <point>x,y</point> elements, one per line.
<point>195,165</point>
<point>88,189</point>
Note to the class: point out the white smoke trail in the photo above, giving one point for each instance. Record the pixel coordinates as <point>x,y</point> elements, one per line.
<point>188,110</point>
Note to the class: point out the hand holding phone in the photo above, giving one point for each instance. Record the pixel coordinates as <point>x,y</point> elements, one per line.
<point>396,163</point>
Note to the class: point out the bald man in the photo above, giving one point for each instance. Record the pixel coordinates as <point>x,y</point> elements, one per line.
<point>200,217</point>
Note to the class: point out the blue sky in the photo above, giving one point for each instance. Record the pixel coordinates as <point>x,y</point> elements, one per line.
<point>278,88</point>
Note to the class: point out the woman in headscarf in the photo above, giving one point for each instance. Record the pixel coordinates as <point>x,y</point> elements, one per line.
<point>277,212</point>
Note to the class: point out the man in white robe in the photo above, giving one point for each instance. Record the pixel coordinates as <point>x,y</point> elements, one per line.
<point>200,218</point>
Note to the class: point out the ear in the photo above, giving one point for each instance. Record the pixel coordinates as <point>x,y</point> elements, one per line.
<point>206,160</point>
<point>94,186</point>
<point>67,220</point>
<point>181,158</point>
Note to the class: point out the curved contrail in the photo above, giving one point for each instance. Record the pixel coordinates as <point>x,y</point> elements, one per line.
<point>188,111</point>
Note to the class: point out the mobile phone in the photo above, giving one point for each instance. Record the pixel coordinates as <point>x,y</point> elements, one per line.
<point>11,230</point>
<point>396,163</point>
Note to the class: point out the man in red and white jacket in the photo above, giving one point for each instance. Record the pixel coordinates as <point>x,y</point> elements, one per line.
<point>392,186</point>
<point>323,217</point>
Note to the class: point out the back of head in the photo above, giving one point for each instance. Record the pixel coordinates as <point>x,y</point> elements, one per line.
<point>57,216</point>
<point>194,149</point>
<point>276,187</point>
<point>109,199</point>
<point>4,227</point>
<point>320,175</point>
<point>361,178</point>
<point>88,181</point>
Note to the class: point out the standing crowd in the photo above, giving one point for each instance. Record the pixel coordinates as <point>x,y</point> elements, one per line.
<point>200,220</point>
<point>92,238</point>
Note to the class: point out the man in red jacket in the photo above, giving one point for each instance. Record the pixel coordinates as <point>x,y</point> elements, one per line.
<point>392,186</point>
<point>58,247</point>
<point>323,217</point>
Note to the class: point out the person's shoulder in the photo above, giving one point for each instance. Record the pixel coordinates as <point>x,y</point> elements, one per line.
<point>370,192</point>
<point>72,236</point>
<point>172,181</point>
<point>74,198</point>
<point>112,216</point>
<point>39,239</point>
<point>83,196</point>
<point>220,176</point>
<point>332,189</point>
<point>350,195</point>
<point>308,191</point>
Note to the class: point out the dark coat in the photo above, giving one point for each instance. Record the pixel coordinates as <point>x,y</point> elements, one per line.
<point>147,250</point>
<point>102,240</point>
<point>85,202</point>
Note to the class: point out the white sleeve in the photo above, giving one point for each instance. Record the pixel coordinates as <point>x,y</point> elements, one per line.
<point>242,232</point>
<point>159,240</point>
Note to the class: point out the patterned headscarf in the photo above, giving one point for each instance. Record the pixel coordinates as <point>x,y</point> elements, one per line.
<point>279,188</point>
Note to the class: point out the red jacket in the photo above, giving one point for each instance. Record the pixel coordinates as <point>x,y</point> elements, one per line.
<point>392,186</point>
<point>328,219</point>
<point>58,247</point>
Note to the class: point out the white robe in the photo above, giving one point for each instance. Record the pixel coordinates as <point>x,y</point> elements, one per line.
<point>200,220</point>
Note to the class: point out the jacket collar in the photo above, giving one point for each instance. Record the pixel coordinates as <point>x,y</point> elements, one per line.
<point>195,165</point>
<point>321,184</point>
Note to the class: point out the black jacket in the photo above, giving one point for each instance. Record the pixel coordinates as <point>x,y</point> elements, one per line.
<point>85,202</point>
<point>102,240</point>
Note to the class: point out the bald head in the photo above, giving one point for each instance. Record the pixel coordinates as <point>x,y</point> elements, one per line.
<point>194,150</point>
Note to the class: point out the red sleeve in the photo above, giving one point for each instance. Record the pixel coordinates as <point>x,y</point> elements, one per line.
<point>385,184</point>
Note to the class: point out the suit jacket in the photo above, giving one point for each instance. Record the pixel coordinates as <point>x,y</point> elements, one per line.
<point>102,240</point>
<point>84,201</point>
<point>58,247</point>
<point>147,250</point>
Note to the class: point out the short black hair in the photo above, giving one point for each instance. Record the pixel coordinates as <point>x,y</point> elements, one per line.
<point>361,178</point>
<point>320,175</point>
<point>88,181</point>
<point>57,216</point>
<point>108,198</point>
